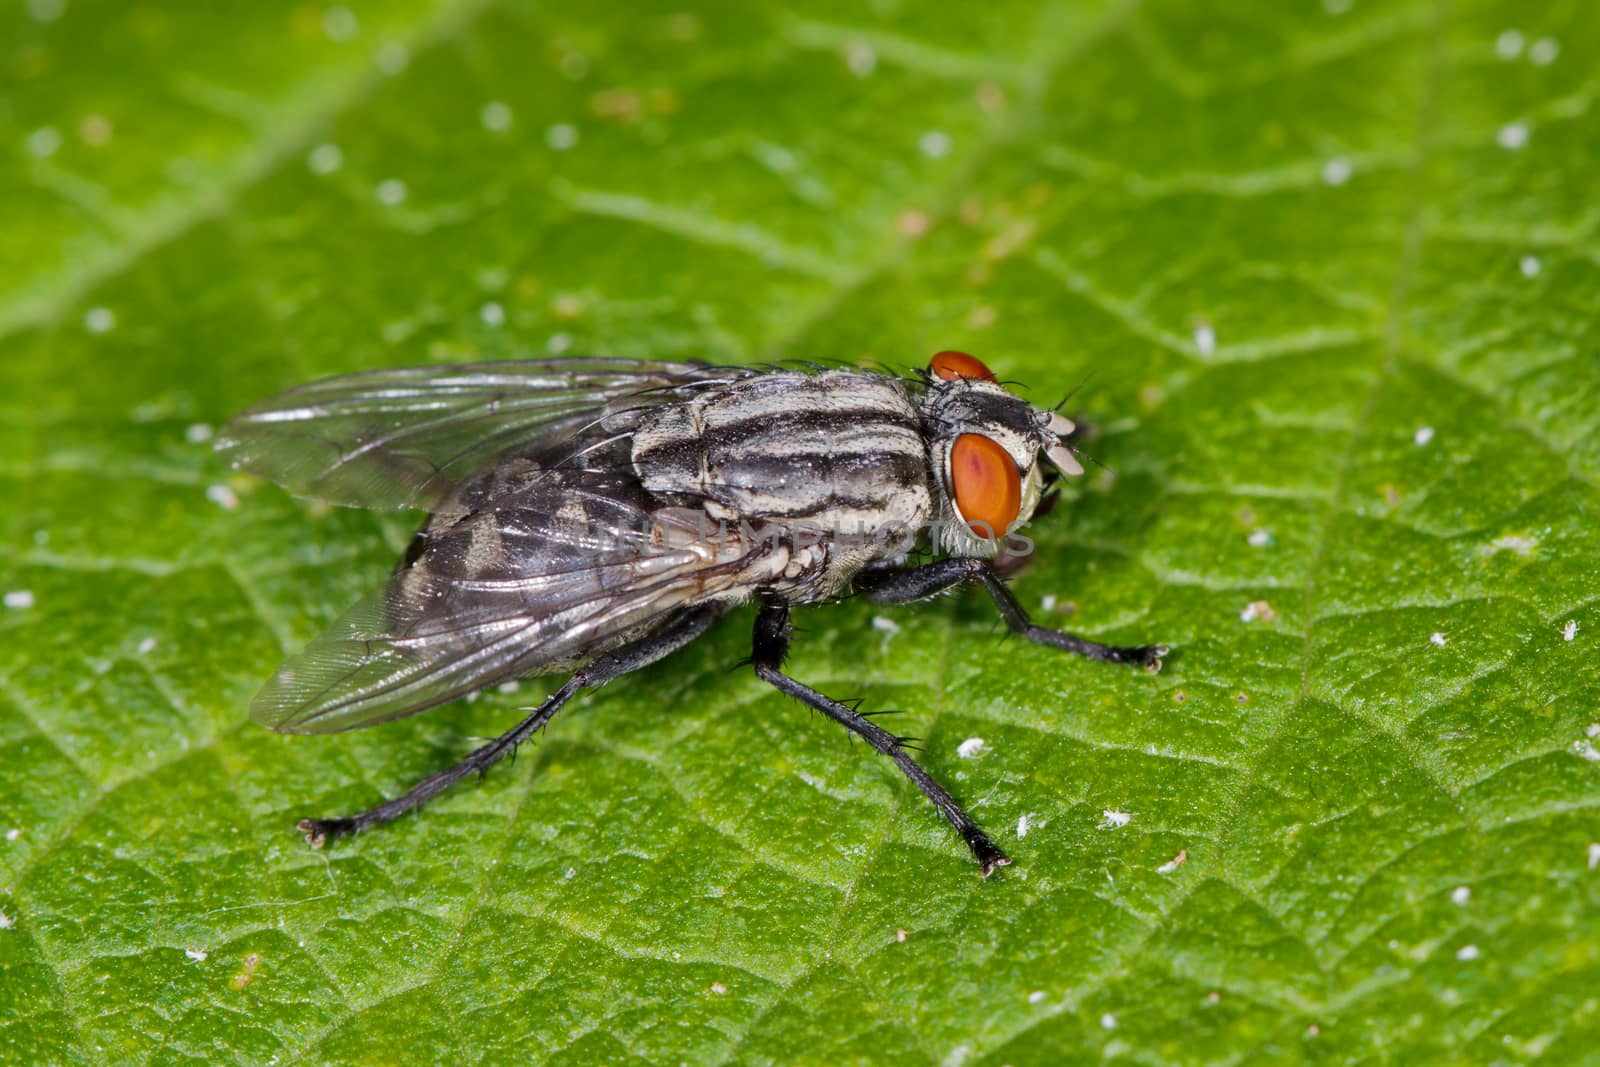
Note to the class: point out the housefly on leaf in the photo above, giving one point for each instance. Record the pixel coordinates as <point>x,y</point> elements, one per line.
<point>590,516</point>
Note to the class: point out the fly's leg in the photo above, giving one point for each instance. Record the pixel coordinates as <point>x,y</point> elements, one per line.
<point>918,583</point>
<point>320,831</point>
<point>772,643</point>
<point>612,665</point>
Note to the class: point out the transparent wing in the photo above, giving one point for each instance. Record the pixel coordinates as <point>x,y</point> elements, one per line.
<point>408,437</point>
<point>503,595</point>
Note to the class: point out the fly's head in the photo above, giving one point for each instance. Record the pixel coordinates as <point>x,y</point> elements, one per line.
<point>989,448</point>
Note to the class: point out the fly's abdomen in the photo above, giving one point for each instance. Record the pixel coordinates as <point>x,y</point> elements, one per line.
<point>837,450</point>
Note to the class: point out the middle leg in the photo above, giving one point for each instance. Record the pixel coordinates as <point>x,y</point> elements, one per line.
<point>772,643</point>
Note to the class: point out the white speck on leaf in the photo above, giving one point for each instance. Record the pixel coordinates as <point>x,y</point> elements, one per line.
<point>718,988</point>
<point>496,116</point>
<point>935,144</point>
<point>197,954</point>
<point>1570,630</point>
<point>1175,862</point>
<point>1509,44</point>
<point>574,66</point>
<point>509,687</point>
<point>1423,436</point>
<point>46,10</point>
<point>1530,266</point>
<point>777,157</point>
<point>558,343</point>
<point>1467,952</point>
<point>391,191</point>
<point>1439,640</point>
<point>1544,52</point>
<point>1594,855</point>
<point>222,496</point>
<point>392,58</point>
<point>19,599</point>
<point>96,130</point>
<point>885,624</point>
<point>1592,730</point>
<point>970,747</point>
<point>147,646</point>
<point>43,142</point>
<point>325,159</point>
<point>1336,171</point>
<point>1036,997</point>
<point>99,320</point>
<point>957,1057</point>
<point>198,434</point>
<point>571,873</point>
<point>1115,819</point>
<point>861,58</point>
<point>340,23</point>
<point>1205,338</point>
<point>492,314</point>
<point>1260,538</point>
<point>1047,602</point>
<point>1108,1021</point>
<point>815,781</point>
<point>1460,895</point>
<point>1587,750</point>
<point>1258,609</point>
<point>1512,136</point>
<point>901,935</point>
<point>1520,544</point>
<point>6,921</point>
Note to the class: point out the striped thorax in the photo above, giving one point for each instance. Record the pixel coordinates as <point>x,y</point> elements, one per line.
<point>850,467</point>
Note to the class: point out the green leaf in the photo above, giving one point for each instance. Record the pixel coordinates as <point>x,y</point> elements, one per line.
<point>1329,270</point>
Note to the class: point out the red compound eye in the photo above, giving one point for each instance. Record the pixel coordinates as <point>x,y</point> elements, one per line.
<point>952,365</point>
<point>986,484</point>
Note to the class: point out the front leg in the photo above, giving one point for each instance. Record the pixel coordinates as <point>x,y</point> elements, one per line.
<point>905,585</point>
<point>771,643</point>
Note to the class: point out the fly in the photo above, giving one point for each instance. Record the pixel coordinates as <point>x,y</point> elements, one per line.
<point>590,516</point>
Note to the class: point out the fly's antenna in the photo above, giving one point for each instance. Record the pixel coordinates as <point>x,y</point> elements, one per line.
<point>1073,391</point>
